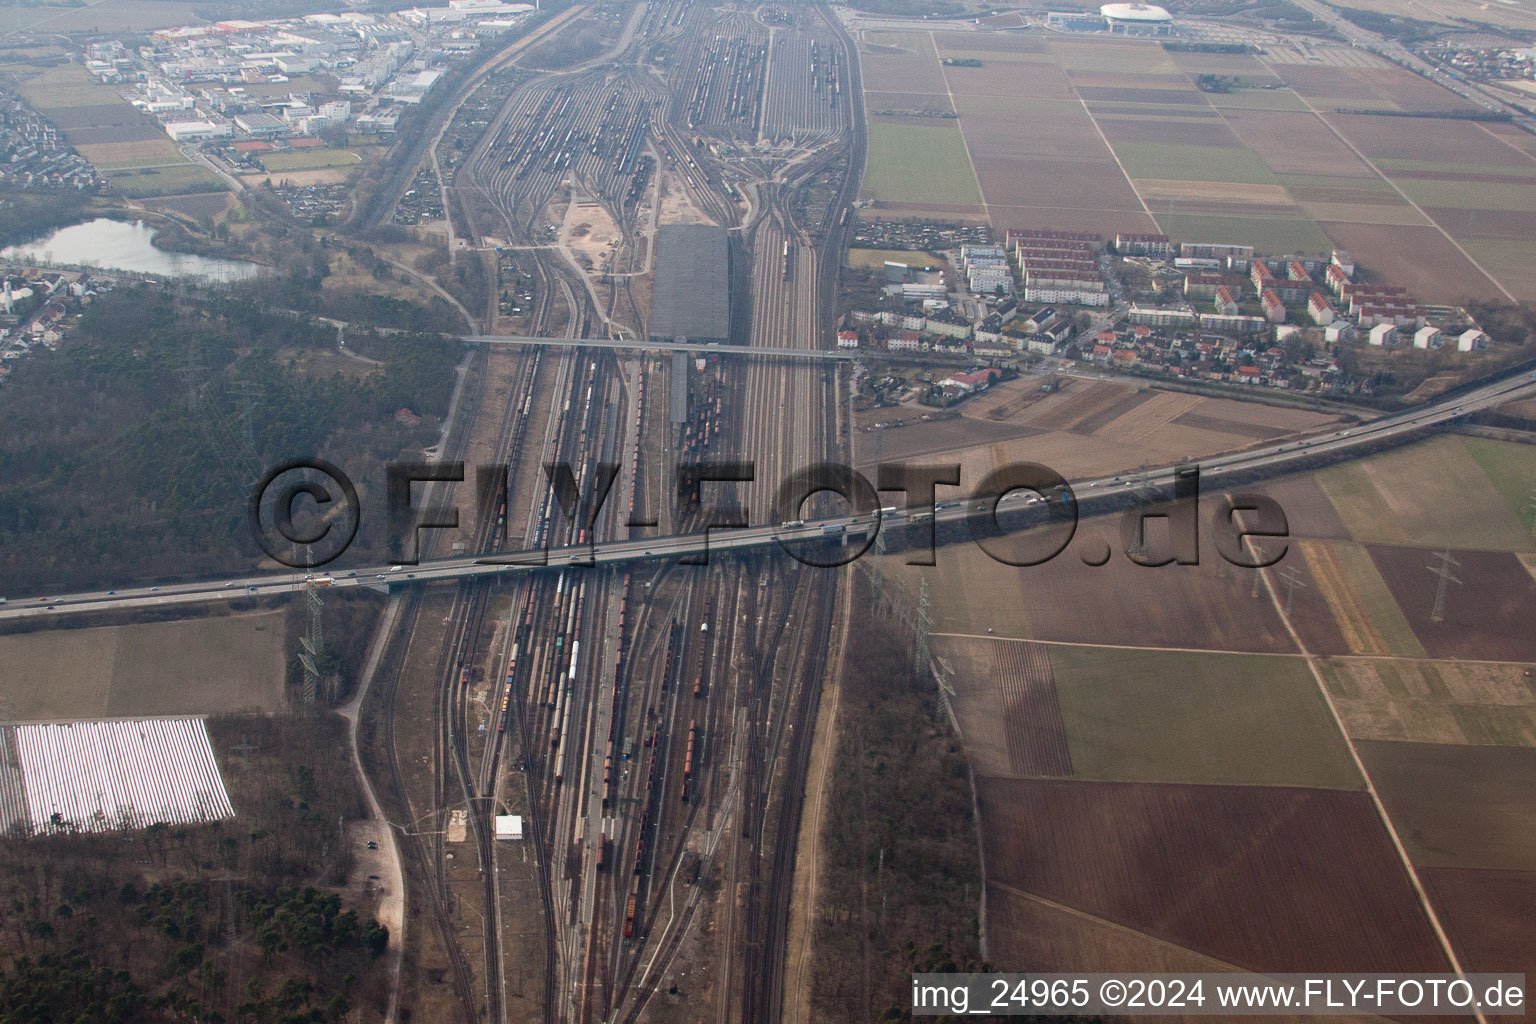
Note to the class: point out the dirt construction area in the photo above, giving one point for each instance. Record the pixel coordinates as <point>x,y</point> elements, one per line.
<point>225,665</point>
<point>1088,428</point>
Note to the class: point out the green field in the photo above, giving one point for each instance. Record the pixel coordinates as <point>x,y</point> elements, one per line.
<point>1402,497</point>
<point>919,164</point>
<point>1271,236</point>
<point>166,181</point>
<point>308,159</point>
<point>1473,195</point>
<point>1178,162</point>
<point>1175,716</point>
<point>874,259</point>
<point>1512,470</point>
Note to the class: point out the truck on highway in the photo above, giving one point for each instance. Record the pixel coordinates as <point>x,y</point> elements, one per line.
<point>834,530</point>
<point>323,581</point>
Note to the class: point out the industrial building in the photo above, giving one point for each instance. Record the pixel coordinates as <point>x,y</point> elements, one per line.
<point>692,297</point>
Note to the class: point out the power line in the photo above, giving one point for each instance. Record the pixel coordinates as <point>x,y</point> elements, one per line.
<point>1292,579</point>
<point>1443,572</point>
<point>311,645</point>
<point>924,622</point>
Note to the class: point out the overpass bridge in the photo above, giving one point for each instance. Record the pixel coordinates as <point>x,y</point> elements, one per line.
<point>814,355</point>
<point>1092,495</point>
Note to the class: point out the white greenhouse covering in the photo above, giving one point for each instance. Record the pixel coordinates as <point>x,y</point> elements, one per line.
<point>109,776</point>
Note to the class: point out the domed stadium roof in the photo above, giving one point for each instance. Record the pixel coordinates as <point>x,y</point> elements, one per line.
<point>1135,12</point>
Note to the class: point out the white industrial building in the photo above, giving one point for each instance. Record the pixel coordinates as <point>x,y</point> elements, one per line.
<point>509,826</point>
<point>196,131</point>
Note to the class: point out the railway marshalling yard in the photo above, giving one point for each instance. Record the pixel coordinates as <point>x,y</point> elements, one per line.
<point>1191,767</point>
<point>651,727</point>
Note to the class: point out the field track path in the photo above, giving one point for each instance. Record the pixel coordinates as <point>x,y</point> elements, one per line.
<point>1370,787</point>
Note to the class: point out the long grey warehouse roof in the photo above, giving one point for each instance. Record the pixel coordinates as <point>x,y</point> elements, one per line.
<point>692,297</point>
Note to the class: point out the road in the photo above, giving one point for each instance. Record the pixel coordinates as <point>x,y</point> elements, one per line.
<point>1400,54</point>
<point>617,552</point>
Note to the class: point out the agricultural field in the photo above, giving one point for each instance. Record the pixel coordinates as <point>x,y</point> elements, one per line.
<point>85,111</point>
<point>1127,725</point>
<point>165,181</point>
<point>308,159</point>
<point>104,16</point>
<point>1419,701</point>
<point>1459,805</point>
<point>1456,13</point>
<point>1121,714</point>
<point>1406,497</point>
<point>919,164</point>
<point>127,147</point>
<point>1346,607</point>
<point>1259,877</point>
<point>1113,136</point>
<point>110,156</point>
<point>224,665</point>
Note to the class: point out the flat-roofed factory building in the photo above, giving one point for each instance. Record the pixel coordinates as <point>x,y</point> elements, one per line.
<point>692,297</point>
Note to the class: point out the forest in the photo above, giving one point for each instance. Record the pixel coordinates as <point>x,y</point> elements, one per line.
<point>901,870</point>
<point>243,921</point>
<point>130,451</point>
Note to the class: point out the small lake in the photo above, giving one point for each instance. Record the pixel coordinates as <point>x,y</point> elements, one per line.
<point>123,245</point>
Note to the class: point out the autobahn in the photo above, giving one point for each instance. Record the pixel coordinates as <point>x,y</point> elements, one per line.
<point>636,345</point>
<point>1089,493</point>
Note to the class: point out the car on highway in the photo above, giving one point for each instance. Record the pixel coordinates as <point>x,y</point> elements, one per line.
<point>154,588</point>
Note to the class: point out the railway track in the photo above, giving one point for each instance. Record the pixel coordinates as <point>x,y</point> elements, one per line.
<point>653,721</point>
